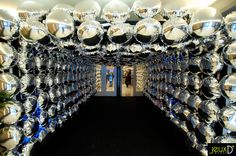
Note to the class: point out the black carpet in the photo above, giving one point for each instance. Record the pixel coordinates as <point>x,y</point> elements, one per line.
<point>113,126</point>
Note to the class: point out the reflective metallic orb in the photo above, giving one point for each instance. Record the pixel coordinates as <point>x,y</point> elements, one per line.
<point>26,63</point>
<point>10,112</point>
<point>210,88</point>
<point>10,137</point>
<point>116,12</point>
<point>208,111</point>
<point>26,149</point>
<point>120,33</point>
<point>175,30</point>
<point>147,30</point>
<point>210,63</point>
<point>86,10</point>
<point>90,33</point>
<point>10,85</point>
<point>193,118</point>
<point>225,139</point>
<point>146,8</point>
<point>52,110</point>
<point>29,126</point>
<point>184,96</point>
<point>63,7</point>
<point>184,79</point>
<point>227,85</point>
<point>227,117</point>
<point>206,22</point>
<point>28,83</point>
<point>52,125</point>
<point>230,21</point>
<point>205,133</point>
<point>194,102</point>
<point>30,104</point>
<point>8,56</point>
<point>33,30</point>
<point>229,54</point>
<point>192,139</point>
<point>8,24</point>
<point>194,64</point>
<point>194,83</point>
<point>60,24</point>
<point>43,117</point>
<point>31,10</point>
<point>175,9</point>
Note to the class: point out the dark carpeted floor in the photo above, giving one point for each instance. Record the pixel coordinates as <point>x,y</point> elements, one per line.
<point>113,126</point>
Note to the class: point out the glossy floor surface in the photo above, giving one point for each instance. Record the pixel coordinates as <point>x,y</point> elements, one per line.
<point>113,126</point>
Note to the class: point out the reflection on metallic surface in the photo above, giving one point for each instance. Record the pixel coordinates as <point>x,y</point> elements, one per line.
<point>146,8</point>
<point>147,30</point>
<point>227,86</point>
<point>86,10</point>
<point>116,12</point>
<point>8,24</point>
<point>8,56</point>
<point>9,85</point>
<point>60,24</point>
<point>10,112</point>
<point>206,22</point>
<point>208,111</point>
<point>227,117</point>
<point>33,30</point>
<point>10,137</point>
<point>90,33</point>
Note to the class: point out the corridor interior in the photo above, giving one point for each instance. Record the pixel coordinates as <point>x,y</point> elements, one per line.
<point>115,126</point>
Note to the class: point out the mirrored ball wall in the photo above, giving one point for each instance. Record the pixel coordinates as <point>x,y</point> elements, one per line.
<point>48,60</point>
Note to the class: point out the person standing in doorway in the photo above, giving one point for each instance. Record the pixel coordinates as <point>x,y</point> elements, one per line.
<point>128,78</point>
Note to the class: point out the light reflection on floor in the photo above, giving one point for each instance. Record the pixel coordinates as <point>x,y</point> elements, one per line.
<point>127,91</point>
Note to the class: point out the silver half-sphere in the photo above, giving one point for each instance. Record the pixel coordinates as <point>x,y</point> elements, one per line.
<point>230,22</point>
<point>207,131</point>
<point>146,8</point>
<point>10,112</point>
<point>208,111</point>
<point>227,117</point>
<point>147,30</point>
<point>63,7</point>
<point>29,125</point>
<point>211,63</point>
<point>32,30</point>
<point>206,22</point>
<point>194,83</point>
<point>10,137</point>
<point>60,24</point>
<point>8,24</point>
<point>175,30</point>
<point>184,96</point>
<point>194,102</point>
<point>229,54</point>
<point>10,85</point>
<point>28,83</point>
<point>175,8</point>
<point>227,86</point>
<point>192,139</point>
<point>30,104</point>
<point>31,10</point>
<point>86,10</point>
<point>90,33</point>
<point>116,12</point>
<point>8,56</point>
<point>210,88</point>
<point>225,139</point>
<point>120,33</point>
